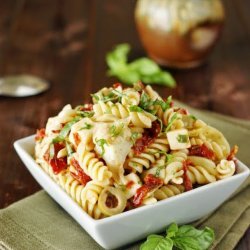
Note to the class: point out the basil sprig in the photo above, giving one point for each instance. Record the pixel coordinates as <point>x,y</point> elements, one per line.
<point>184,237</point>
<point>142,69</point>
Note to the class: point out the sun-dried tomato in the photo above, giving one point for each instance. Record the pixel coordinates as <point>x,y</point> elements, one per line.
<point>202,151</point>
<point>58,164</point>
<point>182,111</point>
<point>129,184</point>
<point>80,175</point>
<point>147,138</point>
<point>151,182</point>
<point>233,152</point>
<point>77,138</point>
<point>186,181</point>
<point>40,134</point>
<point>117,85</point>
<point>86,107</point>
<point>140,195</point>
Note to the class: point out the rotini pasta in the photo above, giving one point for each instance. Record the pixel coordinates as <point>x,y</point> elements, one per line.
<point>130,148</point>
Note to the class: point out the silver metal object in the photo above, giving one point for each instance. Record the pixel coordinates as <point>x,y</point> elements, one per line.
<point>22,85</point>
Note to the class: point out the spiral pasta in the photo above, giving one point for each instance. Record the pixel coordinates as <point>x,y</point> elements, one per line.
<point>172,118</point>
<point>202,170</point>
<point>92,165</point>
<point>225,169</point>
<point>142,119</point>
<point>116,109</point>
<point>130,148</point>
<point>168,191</point>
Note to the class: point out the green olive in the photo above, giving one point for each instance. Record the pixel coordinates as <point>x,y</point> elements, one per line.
<point>112,201</point>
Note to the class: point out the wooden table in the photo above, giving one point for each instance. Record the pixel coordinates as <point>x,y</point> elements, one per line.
<point>66,42</point>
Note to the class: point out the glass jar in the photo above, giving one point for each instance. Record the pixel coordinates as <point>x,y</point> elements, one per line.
<point>179,33</point>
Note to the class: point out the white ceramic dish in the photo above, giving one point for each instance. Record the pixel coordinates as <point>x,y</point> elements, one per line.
<point>128,227</point>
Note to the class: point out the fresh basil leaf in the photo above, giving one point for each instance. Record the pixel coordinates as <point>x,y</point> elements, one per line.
<point>144,66</point>
<point>157,242</point>
<point>188,238</point>
<point>117,59</point>
<point>142,69</point>
<point>128,76</point>
<point>172,230</point>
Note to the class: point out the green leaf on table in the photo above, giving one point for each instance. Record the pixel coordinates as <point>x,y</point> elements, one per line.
<point>157,242</point>
<point>184,237</point>
<point>142,69</point>
<point>188,238</point>
<point>172,230</point>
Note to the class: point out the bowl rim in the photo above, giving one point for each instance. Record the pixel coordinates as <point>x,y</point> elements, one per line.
<point>23,153</point>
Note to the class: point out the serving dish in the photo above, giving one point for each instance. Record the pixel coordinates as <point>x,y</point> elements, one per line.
<point>119,230</point>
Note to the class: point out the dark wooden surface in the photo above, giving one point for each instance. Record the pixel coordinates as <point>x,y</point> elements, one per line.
<point>66,42</point>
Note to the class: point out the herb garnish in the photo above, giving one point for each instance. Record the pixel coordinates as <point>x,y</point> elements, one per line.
<point>69,149</point>
<point>65,130</point>
<point>135,108</point>
<point>101,143</point>
<point>135,136</point>
<point>182,138</point>
<point>193,117</point>
<point>87,126</point>
<point>169,157</point>
<point>158,170</point>
<point>184,237</point>
<point>148,104</point>
<point>142,69</point>
<point>85,113</point>
<point>115,131</point>
<point>173,118</point>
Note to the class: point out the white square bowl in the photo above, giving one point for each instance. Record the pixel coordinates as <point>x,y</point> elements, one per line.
<point>128,227</point>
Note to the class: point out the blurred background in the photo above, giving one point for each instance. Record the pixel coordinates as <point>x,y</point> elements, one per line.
<point>66,42</point>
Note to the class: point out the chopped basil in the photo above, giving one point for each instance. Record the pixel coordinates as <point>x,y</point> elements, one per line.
<point>57,139</point>
<point>95,96</point>
<point>122,187</point>
<point>135,108</point>
<point>149,105</point>
<point>134,136</point>
<point>65,130</point>
<point>101,143</point>
<point>169,157</point>
<point>158,170</point>
<point>87,126</point>
<point>115,131</point>
<point>182,138</point>
<point>69,149</point>
<point>173,118</point>
<point>193,117</point>
<point>85,113</point>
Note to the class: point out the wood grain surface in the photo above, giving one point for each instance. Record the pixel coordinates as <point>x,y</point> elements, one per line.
<point>65,42</point>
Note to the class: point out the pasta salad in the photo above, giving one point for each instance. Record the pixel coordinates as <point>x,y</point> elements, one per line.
<point>129,148</point>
